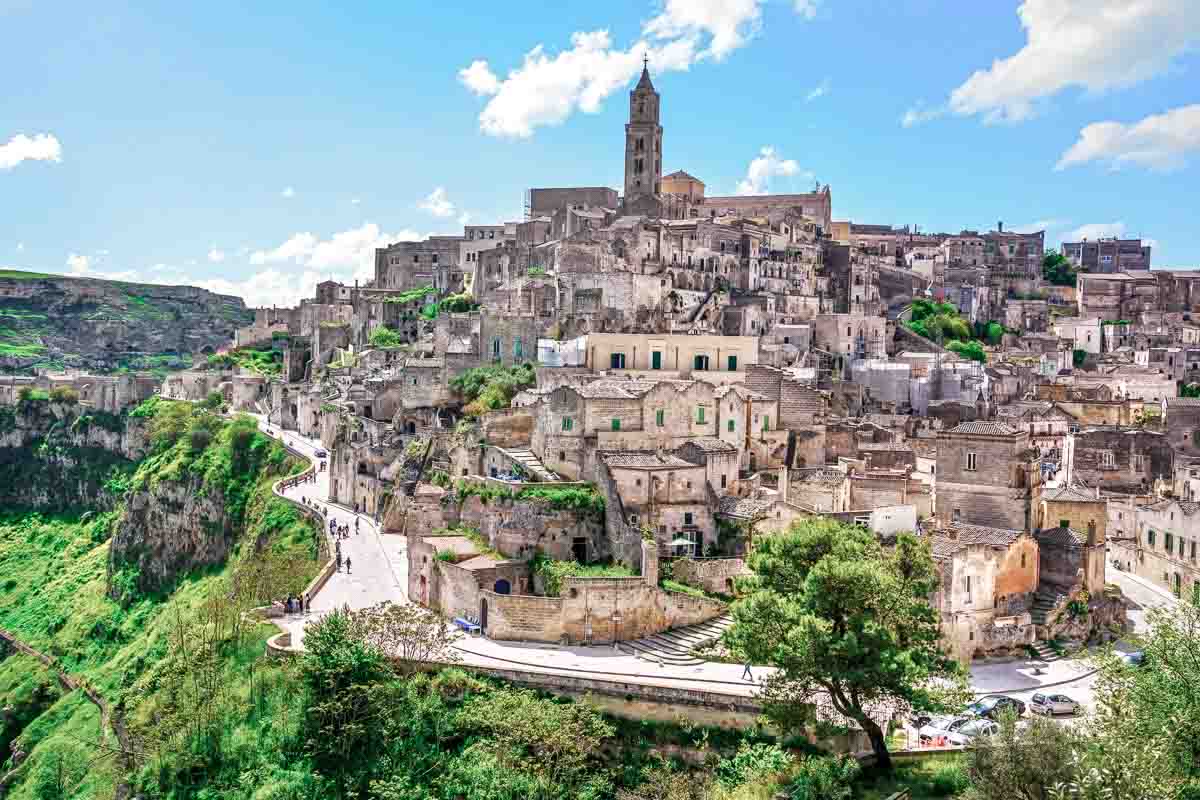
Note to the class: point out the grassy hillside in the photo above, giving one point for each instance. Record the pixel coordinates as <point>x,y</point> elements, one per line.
<point>56,597</point>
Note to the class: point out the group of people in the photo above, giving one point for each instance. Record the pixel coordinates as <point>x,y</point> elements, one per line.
<point>340,532</point>
<point>296,604</point>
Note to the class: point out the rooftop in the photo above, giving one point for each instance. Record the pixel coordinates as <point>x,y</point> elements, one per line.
<point>959,535</point>
<point>708,444</point>
<point>743,507</point>
<point>985,428</point>
<point>644,460</point>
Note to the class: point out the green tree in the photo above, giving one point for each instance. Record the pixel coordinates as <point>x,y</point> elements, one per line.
<point>971,350</point>
<point>845,622</point>
<point>384,336</point>
<point>1023,764</point>
<point>1057,270</point>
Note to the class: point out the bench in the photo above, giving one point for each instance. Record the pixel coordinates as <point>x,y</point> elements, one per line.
<point>466,625</point>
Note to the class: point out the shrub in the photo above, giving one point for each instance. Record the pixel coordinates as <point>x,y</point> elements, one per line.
<point>823,778</point>
<point>752,761</point>
<point>64,394</point>
<point>385,337</point>
<point>971,350</point>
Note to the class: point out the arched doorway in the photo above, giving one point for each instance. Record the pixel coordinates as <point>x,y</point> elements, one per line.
<point>503,587</point>
<point>482,614</point>
<point>411,427</point>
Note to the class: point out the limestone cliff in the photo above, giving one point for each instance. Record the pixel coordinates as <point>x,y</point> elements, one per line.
<point>169,529</point>
<point>55,321</point>
<point>55,456</point>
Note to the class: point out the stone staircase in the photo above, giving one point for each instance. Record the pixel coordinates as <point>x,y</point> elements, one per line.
<point>675,646</point>
<point>531,464</point>
<point>1043,603</point>
<point>1044,653</point>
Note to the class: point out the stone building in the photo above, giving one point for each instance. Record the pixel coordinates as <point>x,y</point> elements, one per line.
<point>1073,534</point>
<point>1107,255</point>
<point>1121,459</point>
<point>987,474</point>
<point>668,496</point>
<point>1164,547</point>
<point>989,577</point>
<point>643,147</point>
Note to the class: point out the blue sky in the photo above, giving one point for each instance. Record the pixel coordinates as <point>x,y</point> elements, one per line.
<point>256,148</point>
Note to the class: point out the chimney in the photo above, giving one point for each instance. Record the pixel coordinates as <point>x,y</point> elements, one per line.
<point>1000,226</point>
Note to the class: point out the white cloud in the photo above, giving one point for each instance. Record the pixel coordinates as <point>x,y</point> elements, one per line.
<point>765,166</point>
<point>818,91</point>
<point>547,89</point>
<point>437,203</point>
<point>355,201</point>
<point>807,8</point>
<point>41,147</point>
<point>216,256</point>
<point>464,218</point>
<point>918,114</point>
<point>20,246</point>
<point>79,265</point>
<point>345,256</point>
<point>1042,225</point>
<point>288,192</point>
<point>1095,230</point>
<point>1093,44</point>
<point>479,78</point>
<point>1160,142</point>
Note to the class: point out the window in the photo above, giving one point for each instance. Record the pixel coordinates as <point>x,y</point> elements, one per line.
<point>1168,541</point>
<point>616,424</point>
<point>731,426</point>
<point>656,360</point>
<point>496,348</point>
<point>1181,543</point>
<point>1022,561</point>
<point>435,258</point>
<point>1193,549</point>
<point>957,513</point>
<point>568,423</point>
<point>1150,537</point>
<point>1107,459</point>
<point>562,455</point>
<point>733,362</point>
<point>971,462</point>
<point>660,417</point>
<point>687,518</point>
<point>517,352</point>
<point>700,363</point>
<point>616,361</point>
<point>766,423</point>
<point>1064,523</point>
<point>1193,545</point>
<point>700,414</point>
<point>967,587</point>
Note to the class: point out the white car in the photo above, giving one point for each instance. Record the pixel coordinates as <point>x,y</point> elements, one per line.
<point>940,726</point>
<point>1051,704</point>
<point>976,727</point>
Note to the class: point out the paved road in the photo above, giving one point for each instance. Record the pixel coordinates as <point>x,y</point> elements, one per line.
<point>380,569</point>
<point>1144,594</point>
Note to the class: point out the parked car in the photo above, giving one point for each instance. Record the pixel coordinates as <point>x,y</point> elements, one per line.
<point>940,726</point>
<point>1051,704</point>
<point>976,727</point>
<point>321,454</point>
<point>1133,659</point>
<point>992,705</point>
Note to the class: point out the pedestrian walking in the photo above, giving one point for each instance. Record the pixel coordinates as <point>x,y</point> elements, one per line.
<point>746,674</point>
<point>338,568</point>
<point>347,565</point>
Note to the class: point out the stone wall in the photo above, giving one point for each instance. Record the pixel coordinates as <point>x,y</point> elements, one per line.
<point>715,575</point>
<point>509,428</point>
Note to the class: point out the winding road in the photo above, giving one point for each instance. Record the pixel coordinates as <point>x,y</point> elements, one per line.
<point>379,572</point>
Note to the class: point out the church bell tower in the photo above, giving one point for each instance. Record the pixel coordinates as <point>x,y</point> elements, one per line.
<point>643,141</point>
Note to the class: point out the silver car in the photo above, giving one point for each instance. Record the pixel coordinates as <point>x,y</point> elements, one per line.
<point>940,726</point>
<point>976,727</point>
<point>1051,704</point>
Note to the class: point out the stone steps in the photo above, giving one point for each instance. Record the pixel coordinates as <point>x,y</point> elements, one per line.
<point>531,464</point>
<point>1044,652</point>
<point>675,646</point>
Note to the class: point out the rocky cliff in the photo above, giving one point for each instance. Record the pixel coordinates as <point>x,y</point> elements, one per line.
<point>57,456</point>
<point>53,321</point>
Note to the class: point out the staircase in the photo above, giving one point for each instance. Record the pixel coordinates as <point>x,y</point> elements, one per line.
<point>1043,603</point>
<point>1044,653</point>
<point>531,464</point>
<point>675,646</point>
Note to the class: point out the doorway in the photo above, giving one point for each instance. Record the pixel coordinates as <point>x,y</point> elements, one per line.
<point>483,615</point>
<point>579,549</point>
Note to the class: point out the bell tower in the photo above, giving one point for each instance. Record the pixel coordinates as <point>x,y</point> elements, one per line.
<point>643,141</point>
